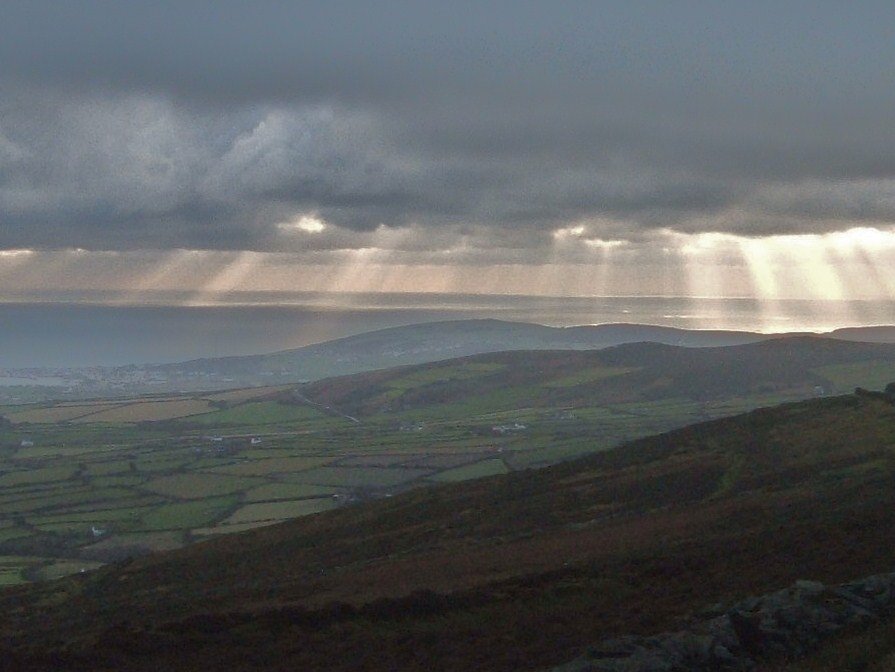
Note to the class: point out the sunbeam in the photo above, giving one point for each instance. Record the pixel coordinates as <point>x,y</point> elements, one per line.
<point>173,271</point>
<point>10,260</point>
<point>828,272</point>
<point>234,274</point>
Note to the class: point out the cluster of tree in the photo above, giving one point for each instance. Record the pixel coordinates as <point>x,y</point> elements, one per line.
<point>888,393</point>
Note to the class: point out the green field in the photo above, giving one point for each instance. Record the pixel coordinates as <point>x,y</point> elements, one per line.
<point>12,568</point>
<point>258,413</point>
<point>589,376</point>
<point>185,515</point>
<point>147,411</point>
<point>198,485</point>
<point>40,475</point>
<point>136,543</point>
<point>874,375</point>
<point>359,477</point>
<point>164,470</point>
<point>441,374</point>
<point>274,491</point>
<point>275,465</point>
<point>475,470</point>
<point>279,510</point>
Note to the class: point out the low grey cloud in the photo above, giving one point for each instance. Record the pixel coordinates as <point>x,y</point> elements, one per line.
<point>209,125</point>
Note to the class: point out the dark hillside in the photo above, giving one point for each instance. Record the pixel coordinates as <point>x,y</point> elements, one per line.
<point>635,372</point>
<point>506,573</point>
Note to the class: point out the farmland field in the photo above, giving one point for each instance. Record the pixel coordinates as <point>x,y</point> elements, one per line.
<point>59,413</point>
<point>872,375</point>
<point>258,413</point>
<point>96,481</point>
<point>275,491</point>
<point>198,485</point>
<point>279,510</point>
<point>274,465</point>
<point>28,476</point>
<point>246,394</point>
<point>474,470</point>
<point>359,477</point>
<point>149,411</point>
<point>184,515</point>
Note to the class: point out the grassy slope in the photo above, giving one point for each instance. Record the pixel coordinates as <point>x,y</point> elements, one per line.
<point>524,569</point>
<point>413,344</point>
<point>630,373</point>
<point>572,403</point>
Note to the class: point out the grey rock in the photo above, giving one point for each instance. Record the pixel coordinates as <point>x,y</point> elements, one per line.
<point>854,598</point>
<point>615,648</point>
<point>809,587</point>
<point>789,622</point>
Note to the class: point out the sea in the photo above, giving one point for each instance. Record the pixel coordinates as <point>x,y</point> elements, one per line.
<point>97,330</point>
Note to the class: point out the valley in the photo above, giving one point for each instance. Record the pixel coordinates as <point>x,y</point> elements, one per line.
<point>368,351</point>
<point>89,482</point>
<point>525,568</point>
<point>530,502</point>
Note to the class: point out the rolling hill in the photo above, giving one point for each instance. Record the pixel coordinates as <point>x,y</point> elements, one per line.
<point>626,374</point>
<point>163,471</point>
<point>376,350</point>
<point>519,571</point>
<point>434,341</point>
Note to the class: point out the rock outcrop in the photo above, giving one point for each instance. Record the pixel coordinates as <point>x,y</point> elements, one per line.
<point>789,622</point>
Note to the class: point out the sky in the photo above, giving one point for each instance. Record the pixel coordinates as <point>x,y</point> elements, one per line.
<point>723,149</point>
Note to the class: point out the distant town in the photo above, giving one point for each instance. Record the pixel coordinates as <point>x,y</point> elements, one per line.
<point>29,385</point>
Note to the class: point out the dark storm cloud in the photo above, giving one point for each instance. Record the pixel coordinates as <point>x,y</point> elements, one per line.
<point>206,124</point>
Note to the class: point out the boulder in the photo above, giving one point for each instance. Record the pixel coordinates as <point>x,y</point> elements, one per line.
<point>789,622</point>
